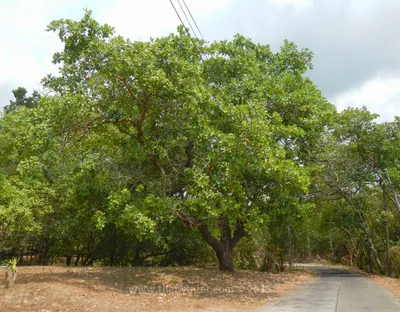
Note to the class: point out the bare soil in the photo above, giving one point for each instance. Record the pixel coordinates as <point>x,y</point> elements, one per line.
<point>51,289</point>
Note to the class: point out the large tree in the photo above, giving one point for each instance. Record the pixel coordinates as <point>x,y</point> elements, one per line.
<point>214,134</point>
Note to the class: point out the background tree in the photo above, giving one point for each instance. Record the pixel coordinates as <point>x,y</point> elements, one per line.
<point>22,100</point>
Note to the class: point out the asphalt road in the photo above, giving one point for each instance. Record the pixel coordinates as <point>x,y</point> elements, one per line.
<point>336,290</point>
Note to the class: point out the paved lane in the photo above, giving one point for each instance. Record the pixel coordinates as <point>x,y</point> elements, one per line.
<point>336,290</point>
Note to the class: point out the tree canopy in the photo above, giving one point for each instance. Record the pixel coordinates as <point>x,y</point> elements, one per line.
<point>144,149</point>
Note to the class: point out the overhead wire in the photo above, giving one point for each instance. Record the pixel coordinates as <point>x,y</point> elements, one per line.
<point>176,11</point>
<point>187,30</point>
<point>187,19</point>
<point>198,29</point>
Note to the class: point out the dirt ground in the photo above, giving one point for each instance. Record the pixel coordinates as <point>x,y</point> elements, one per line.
<point>45,289</point>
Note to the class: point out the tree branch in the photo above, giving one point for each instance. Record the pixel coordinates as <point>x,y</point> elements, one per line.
<point>128,88</point>
<point>211,240</point>
<point>139,122</point>
<point>189,221</point>
<point>395,198</point>
<point>239,233</point>
<point>153,160</point>
<point>224,227</point>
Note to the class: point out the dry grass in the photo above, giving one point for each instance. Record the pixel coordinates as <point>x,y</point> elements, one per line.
<point>46,289</point>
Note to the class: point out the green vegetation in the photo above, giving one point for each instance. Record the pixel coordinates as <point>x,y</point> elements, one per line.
<point>177,150</point>
<point>12,264</point>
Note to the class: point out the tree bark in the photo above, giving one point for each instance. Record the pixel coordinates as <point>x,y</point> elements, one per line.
<point>68,260</point>
<point>370,263</point>
<point>224,246</point>
<point>137,259</point>
<point>78,257</point>
<point>225,259</point>
<point>371,246</point>
<point>290,247</point>
<point>385,207</point>
<point>395,198</point>
<point>351,252</point>
<point>360,259</point>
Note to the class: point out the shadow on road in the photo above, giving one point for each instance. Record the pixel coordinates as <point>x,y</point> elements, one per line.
<point>328,271</point>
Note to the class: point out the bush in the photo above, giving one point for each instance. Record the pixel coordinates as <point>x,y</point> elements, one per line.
<point>395,260</point>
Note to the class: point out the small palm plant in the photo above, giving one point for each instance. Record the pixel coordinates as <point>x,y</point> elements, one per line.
<point>11,274</point>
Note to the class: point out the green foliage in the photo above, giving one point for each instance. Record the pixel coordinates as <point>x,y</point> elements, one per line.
<point>137,142</point>
<point>21,100</point>
<point>395,255</point>
<point>246,256</point>
<point>12,264</point>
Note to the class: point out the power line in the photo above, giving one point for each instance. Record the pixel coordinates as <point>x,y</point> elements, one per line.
<point>191,39</point>
<point>198,29</point>
<point>187,19</point>
<point>177,13</point>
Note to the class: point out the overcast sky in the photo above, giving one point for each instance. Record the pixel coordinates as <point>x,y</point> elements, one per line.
<point>356,43</point>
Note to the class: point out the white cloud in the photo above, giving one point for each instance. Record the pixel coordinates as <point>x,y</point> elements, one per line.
<point>298,4</point>
<point>381,95</point>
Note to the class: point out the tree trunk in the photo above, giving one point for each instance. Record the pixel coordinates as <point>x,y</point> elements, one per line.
<point>332,253</point>
<point>225,259</point>
<point>371,247</point>
<point>224,246</point>
<point>360,260</point>
<point>137,259</point>
<point>357,208</point>
<point>351,252</point>
<point>370,262</point>
<point>112,258</point>
<point>290,247</point>
<point>89,261</point>
<point>385,207</point>
<point>395,198</point>
<point>68,260</point>
<point>10,279</point>
<point>43,258</point>
<point>78,257</point>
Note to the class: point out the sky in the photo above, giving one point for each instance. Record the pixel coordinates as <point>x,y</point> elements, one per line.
<point>356,43</point>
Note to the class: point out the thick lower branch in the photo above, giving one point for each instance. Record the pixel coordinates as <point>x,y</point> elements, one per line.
<point>238,234</point>
<point>210,240</point>
<point>225,230</point>
<point>224,247</point>
<point>395,198</point>
<point>139,123</point>
<point>189,221</point>
<point>153,160</point>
